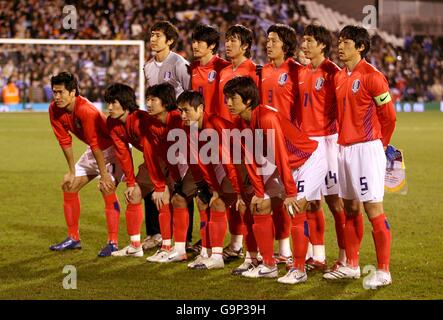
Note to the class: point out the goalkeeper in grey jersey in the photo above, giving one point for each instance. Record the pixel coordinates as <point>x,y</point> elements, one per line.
<point>165,66</point>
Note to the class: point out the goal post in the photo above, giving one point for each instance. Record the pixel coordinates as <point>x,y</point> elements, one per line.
<point>139,43</point>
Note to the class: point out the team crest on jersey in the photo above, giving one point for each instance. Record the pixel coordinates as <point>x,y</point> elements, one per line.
<point>356,85</point>
<point>212,75</point>
<point>283,78</point>
<point>319,83</point>
<point>168,75</point>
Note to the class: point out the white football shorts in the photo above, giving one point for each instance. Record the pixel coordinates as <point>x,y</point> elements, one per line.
<point>87,165</point>
<point>361,171</point>
<point>330,183</point>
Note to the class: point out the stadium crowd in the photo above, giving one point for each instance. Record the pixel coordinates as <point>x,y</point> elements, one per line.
<point>415,71</point>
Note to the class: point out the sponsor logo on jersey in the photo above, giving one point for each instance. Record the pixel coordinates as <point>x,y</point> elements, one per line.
<point>319,83</point>
<point>356,85</point>
<point>168,75</point>
<point>282,79</point>
<point>212,75</point>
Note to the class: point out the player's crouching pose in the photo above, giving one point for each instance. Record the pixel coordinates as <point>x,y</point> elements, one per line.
<point>300,165</point>
<point>224,180</point>
<point>162,107</point>
<point>366,121</point>
<point>70,112</point>
<point>126,123</point>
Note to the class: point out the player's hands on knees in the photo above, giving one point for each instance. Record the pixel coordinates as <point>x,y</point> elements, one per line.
<point>132,194</point>
<point>214,197</point>
<point>240,205</point>
<point>106,183</point>
<point>257,204</point>
<point>291,205</point>
<point>68,181</point>
<point>159,198</point>
<point>201,205</point>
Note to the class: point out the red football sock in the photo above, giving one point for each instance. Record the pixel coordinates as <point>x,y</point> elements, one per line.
<point>282,222</point>
<point>203,227</point>
<point>71,206</point>
<point>382,238</point>
<point>264,234</point>
<point>251,244</point>
<point>180,224</point>
<point>316,221</point>
<point>165,221</point>
<point>134,220</point>
<point>217,228</point>
<point>236,225</point>
<point>353,236</point>
<point>112,211</point>
<point>340,221</point>
<point>300,240</point>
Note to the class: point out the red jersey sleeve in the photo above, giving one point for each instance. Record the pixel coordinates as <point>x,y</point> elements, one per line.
<point>152,164</point>
<point>62,134</point>
<point>122,151</point>
<point>378,88</point>
<point>90,120</point>
<point>250,163</point>
<point>225,153</point>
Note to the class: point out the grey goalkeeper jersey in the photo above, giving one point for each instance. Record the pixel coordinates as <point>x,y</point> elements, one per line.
<point>174,70</point>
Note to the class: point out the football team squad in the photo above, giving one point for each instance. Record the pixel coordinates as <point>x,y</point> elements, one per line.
<point>326,130</point>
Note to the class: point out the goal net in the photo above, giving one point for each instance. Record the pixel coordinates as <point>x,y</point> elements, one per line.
<point>30,63</point>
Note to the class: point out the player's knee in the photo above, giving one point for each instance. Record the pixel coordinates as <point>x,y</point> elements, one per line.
<point>314,206</point>
<point>72,188</point>
<point>200,204</point>
<point>178,201</point>
<point>352,209</point>
<point>218,205</point>
<point>136,200</point>
<point>107,191</point>
<point>335,205</point>
<point>265,208</point>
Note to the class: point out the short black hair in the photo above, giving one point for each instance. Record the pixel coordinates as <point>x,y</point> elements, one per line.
<point>359,35</point>
<point>288,36</point>
<point>67,79</point>
<point>245,87</point>
<point>208,34</point>
<point>170,31</point>
<point>165,92</point>
<point>244,34</point>
<point>122,93</point>
<point>193,98</point>
<point>321,35</point>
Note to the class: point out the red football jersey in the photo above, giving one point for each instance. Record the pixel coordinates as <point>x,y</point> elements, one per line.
<point>251,165</point>
<point>246,68</point>
<point>220,125</point>
<point>279,87</point>
<point>317,108</point>
<point>292,147</point>
<point>365,108</point>
<point>206,79</point>
<point>85,122</point>
<point>134,132</point>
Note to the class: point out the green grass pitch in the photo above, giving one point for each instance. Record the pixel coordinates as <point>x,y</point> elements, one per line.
<point>31,218</point>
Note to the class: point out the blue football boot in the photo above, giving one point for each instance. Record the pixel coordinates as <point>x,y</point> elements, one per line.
<point>66,244</point>
<point>107,250</point>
